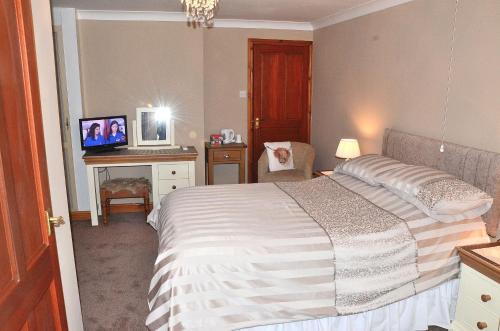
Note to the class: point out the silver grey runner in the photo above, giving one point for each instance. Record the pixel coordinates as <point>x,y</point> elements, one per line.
<point>375,253</point>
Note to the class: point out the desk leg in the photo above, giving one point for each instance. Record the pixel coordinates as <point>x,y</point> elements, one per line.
<point>154,185</point>
<point>97,185</point>
<point>92,196</point>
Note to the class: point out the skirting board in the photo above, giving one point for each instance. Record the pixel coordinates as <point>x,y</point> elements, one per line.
<point>84,215</point>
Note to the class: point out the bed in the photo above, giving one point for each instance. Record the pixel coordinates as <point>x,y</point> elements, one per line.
<point>288,256</point>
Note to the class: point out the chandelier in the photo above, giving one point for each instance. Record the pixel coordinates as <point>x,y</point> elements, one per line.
<point>200,10</point>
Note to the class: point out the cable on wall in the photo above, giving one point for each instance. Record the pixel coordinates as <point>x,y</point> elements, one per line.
<point>451,64</point>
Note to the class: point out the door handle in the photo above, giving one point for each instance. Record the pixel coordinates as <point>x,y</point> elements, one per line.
<point>257,122</point>
<point>53,221</point>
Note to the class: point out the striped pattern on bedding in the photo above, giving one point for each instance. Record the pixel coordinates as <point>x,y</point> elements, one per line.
<point>437,258</point>
<point>368,167</point>
<point>235,256</point>
<point>409,179</point>
<point>375,253</point>
<point>437,193</point>
<point>230,255</point>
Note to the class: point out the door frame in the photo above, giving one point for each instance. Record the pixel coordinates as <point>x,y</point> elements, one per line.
<point>31,278</point>
<point>45,58</point>
<point>257,41</point>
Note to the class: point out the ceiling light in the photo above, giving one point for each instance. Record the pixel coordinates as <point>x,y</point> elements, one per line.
<point>200,10</point>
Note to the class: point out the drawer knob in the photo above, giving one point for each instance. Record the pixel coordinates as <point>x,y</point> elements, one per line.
<point>226,156</point>
<point>485,297</point>
<point>174,187</point>
<point>173,172</point>
<point>482,325</point>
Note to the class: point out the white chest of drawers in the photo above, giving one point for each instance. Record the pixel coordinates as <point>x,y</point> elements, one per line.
<point>173,176</point>
<point>478,306</point>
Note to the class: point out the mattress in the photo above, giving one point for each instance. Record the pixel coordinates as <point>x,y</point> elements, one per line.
<point>238,256</point>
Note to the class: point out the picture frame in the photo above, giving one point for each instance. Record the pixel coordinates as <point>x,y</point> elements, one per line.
<point>154,126</point>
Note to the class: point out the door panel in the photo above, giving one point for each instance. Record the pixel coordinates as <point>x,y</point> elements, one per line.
<point>279,98</point>
<point>294,98</point>
<point>271,95</point>
<point>43,317</point>
<point>30,287</point>
<point>7,262</point>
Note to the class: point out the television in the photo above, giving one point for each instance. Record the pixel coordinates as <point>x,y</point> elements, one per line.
<point>103,133</point>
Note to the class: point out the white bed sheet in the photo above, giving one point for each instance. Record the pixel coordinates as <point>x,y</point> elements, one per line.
<point>435,306</point>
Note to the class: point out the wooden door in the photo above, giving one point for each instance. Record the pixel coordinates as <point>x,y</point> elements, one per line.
<point>279,95</point>
<point>30,286</point>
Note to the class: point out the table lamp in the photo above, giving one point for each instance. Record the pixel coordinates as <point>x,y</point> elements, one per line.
<point>348,149</point>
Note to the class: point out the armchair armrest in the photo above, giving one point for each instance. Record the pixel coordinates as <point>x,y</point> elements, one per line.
<point>309,162</point>
<point>262,166</point>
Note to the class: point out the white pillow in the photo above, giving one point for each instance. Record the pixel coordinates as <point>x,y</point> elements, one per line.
<point>368,167</point>
<point>437,193</point>
<point>280,155</point>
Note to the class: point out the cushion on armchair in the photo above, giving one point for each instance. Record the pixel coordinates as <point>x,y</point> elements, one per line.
<point>280,155</point>
<point>303,159</point>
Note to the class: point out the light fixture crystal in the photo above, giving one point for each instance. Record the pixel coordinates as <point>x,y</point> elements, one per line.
<point>200,10</point>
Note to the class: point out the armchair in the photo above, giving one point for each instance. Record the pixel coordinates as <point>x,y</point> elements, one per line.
<point>303,158</point>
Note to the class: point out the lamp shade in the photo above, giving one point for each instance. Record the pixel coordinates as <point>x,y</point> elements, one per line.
<point>348,149</point>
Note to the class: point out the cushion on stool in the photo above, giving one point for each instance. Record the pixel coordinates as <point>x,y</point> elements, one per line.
<point>134,185</point>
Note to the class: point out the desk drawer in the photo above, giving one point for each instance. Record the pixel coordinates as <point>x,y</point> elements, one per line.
<point>227,155</point>
<point>166,186</point>
<point>173,171</point>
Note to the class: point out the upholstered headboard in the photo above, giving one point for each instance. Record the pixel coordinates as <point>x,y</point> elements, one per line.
<point>477,167</point>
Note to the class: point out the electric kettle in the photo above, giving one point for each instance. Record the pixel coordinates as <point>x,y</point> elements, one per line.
<point>227,136</point>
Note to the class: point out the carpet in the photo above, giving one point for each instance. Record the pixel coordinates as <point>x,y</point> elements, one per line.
<point>114,265</point>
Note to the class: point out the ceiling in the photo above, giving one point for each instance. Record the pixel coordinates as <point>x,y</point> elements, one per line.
<point>274,10</point>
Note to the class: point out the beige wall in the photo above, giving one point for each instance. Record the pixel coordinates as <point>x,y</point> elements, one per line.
<point>126,65</point>
<point>197,72</point>
<point>225,75</point>
<point>389,69</point>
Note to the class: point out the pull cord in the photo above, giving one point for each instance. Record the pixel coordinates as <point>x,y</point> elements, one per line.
<point>451,63</point>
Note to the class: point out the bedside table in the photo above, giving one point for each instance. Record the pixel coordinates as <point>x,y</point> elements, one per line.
<point>233,153</point>
<point>478,306</point>
<point>319,173</point>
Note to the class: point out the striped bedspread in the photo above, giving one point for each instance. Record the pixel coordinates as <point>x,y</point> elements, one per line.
<point>375,253</point>
<point>235,256</point>
<point>437,258</point>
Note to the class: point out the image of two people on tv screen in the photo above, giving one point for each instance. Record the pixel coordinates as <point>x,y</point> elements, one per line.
<point>104,132</point>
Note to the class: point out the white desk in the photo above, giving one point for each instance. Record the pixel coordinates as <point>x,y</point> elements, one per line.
<point>170,168</point>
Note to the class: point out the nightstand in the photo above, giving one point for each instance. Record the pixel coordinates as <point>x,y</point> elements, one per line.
<point>233,153</point>
<point>478,306</point>
<point>319,173</point>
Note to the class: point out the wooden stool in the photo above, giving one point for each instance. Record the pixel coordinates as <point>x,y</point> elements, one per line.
<point>122,188</point>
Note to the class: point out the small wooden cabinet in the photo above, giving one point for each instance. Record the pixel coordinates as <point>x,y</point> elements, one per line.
<point>478,306</point>
<point>225,154</point>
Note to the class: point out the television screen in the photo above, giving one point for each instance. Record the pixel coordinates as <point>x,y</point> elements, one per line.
<point>103,132</point>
